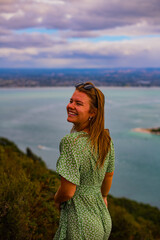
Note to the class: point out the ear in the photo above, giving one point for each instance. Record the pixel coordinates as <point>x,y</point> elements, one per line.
<point>93,112</point>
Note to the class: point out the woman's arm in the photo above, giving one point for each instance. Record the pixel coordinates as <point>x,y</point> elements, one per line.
<point>106,185</point>
<point>65,191</point>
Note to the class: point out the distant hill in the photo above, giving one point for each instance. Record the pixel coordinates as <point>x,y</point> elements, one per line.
<point>68,77</point>
<point>27,208</point>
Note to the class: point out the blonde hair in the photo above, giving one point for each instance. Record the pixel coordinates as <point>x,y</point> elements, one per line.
<point>99,137</point>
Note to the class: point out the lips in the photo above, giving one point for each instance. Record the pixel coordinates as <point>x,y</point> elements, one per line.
<point>70,113</point>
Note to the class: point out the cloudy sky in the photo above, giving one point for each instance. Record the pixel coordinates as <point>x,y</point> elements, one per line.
<point>79,33</point>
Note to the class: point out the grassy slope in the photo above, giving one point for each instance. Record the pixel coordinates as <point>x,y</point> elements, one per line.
<point>27,208</point>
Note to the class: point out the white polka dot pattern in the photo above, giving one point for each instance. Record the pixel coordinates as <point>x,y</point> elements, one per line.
<point>85,216</point>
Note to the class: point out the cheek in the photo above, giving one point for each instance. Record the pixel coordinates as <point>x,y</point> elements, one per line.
<point>85,113</point>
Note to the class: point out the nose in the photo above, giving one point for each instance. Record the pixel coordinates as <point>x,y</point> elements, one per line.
<point>71,105</point>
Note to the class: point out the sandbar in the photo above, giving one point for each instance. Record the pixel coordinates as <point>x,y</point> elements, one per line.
<point>155,130</point>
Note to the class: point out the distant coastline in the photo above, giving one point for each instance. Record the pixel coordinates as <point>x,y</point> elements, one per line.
<point>155,130</point>
<point>112,77</point>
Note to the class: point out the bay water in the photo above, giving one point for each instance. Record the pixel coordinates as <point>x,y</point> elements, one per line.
<point>36,118</point>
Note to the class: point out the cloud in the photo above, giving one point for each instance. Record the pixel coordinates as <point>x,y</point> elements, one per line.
<point>83,31</point>
<point>137,53</point>
<point>52,2</point>
<point>79,15</point>
<point>24,40</point>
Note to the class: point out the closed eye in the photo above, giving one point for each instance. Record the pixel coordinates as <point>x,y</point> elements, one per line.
<point>79,103</point>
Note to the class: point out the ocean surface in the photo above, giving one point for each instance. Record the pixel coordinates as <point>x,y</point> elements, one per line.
<point>36,118</point>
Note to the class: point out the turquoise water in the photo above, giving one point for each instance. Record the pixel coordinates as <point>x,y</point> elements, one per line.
<point>37,116</point>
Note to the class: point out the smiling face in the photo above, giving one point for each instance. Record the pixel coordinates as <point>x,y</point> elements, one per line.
<point>78,110</point>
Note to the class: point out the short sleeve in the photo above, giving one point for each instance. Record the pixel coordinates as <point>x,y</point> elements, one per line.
<point>67,164</point>
<point>111,164</point>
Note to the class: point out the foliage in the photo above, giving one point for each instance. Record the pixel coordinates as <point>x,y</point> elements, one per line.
<point>27,188</point>
<point>132,220</point>
<point>27,208</point>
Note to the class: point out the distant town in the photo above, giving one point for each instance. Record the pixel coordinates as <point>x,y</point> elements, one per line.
<point>123,77</point>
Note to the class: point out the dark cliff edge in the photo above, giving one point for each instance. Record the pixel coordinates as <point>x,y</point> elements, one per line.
<point>27,208</point>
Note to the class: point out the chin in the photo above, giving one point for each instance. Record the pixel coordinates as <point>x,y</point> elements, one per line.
<point>70,120</point>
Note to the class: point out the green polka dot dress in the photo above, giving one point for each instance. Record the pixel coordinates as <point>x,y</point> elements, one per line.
<point>85,216</point>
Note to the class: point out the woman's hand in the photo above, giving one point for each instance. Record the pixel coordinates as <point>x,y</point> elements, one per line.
<point>105,201</point>
<point>57,205</point>
<point>106,185</point>
<point>65,191</point>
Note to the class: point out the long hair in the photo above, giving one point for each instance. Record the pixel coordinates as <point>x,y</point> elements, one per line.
<point>99,137</point>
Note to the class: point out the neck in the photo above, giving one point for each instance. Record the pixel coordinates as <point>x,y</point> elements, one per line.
<point>79,128</point>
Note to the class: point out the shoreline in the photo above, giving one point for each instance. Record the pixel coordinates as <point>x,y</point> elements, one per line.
<point>155,131</point>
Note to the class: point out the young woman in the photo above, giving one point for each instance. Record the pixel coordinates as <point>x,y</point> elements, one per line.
<point>86,166</point>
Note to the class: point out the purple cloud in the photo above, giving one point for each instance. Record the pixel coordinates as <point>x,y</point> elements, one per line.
<point>78,24</point>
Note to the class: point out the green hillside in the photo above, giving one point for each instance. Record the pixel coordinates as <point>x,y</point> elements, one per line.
<point>27,208</point>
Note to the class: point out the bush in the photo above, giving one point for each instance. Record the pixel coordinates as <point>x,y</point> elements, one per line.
<point>27,188</point>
